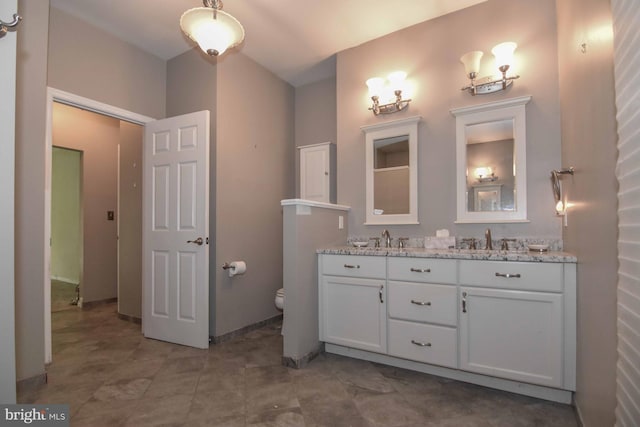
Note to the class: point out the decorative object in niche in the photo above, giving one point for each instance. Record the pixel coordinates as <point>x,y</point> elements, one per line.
<point>504,60</point>
<point>390,93</point>
<point>491,138</point>
<point>215,31</point>
<point>392,172</point>
<point>561,204</point>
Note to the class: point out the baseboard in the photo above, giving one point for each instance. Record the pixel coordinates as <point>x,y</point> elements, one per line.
<point>31,383</point>
<point>238,332</point>
<point>299,363</point>
<point>65,280</point>
<point>132,319</point>
<point>92,304</point>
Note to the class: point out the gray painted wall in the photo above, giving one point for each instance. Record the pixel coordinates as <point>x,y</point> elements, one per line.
<point>97,137</point>
<point>303,234</point>
<point>31,90</point>
<point>130,220</point>
<point>589,144</point>
<point>255,170</point>
<point>252,168</point>
<point>315,118</point>
<point>87,61</point>
<point>429,52</point>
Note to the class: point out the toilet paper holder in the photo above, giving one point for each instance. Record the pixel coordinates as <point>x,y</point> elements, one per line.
<point>227,266</point>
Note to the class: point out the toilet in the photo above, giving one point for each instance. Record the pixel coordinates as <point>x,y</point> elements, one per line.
<point>280,299</point>
<point>280,305</point>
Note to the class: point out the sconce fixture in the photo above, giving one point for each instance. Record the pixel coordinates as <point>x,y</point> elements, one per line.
<point>504,59</point>
<point>215,31</point>
<point>561,208</point>
<point>485,174</point>
<point>378,88</point>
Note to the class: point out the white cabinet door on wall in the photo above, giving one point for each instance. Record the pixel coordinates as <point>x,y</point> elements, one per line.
<point>512,334</point>
<point>354,312</point>
<point>316,172</point>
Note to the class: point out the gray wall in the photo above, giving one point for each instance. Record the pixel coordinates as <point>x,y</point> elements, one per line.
<point>97,137</point>
<point>303,234</point>
<point>31,90</point>
<point>87,61</point>
<point>130,220</point>
<point>589,144</point>
<point>255,170</point>
<point>429,52</point>
<point>252,166</point>
<point>315,118</point>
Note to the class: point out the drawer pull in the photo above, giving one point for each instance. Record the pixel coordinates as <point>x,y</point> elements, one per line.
<point>420,302</point>
<point>421,270</point>
<point>508,275</point>
<point>421,344</point>
<point>351,266</point>
<point>380,294</point>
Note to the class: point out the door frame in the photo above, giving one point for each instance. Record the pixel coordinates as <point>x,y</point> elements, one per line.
<point>56,95</point>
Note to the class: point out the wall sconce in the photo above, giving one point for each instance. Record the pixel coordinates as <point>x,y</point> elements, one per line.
<point>504,59</point>
<point>561,207</point>
<point>378,89</point>
<point>485,174</point>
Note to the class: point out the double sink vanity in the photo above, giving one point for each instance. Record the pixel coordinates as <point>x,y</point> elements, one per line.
<point>503,319</point>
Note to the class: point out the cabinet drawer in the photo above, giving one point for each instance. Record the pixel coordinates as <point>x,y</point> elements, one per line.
<point>425,270</point>
<point>423,302</point>
<point>354,266</point>
<point>423,343</point>
<point>512,275</point>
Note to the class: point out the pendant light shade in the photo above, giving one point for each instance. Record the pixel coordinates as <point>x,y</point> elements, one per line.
<point>215,31</point>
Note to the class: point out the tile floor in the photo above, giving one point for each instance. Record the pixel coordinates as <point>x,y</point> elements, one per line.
<point>112,376</point>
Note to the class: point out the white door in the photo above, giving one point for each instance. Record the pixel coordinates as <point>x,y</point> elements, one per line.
<point>176,230</point>
<point>7,177</point>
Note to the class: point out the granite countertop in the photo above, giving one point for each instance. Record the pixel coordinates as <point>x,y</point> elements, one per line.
<point>472,254</point>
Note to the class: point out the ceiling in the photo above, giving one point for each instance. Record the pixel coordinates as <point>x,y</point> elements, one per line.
<point>295,39</point>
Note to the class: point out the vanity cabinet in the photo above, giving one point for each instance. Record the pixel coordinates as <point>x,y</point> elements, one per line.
<point>511,321</point>
<point>503,324</point>
<point>353,311</point>
<point>422,315</point>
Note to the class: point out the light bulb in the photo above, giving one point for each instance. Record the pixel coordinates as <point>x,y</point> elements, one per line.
<point>504,54</point>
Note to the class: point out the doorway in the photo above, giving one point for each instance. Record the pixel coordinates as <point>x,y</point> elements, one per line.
<point>128,125</point>
<point>66,228</point>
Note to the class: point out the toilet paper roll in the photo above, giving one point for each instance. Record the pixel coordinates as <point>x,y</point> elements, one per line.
<point>237,267</point>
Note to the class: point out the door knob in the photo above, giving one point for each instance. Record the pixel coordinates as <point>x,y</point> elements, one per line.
<point>198,241</point>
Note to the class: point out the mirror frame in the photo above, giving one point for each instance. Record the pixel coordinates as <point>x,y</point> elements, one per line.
<point>408,126</point>
<point>509,109</point>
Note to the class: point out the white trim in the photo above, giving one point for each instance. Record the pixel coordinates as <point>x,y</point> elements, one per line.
<point>303,202</point>
<point>56,95</point>
<point>320,144</point>
<point>510,109</point>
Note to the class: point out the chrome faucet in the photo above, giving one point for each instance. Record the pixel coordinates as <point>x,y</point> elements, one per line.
<point>387,238</point>
<point>487,236</point>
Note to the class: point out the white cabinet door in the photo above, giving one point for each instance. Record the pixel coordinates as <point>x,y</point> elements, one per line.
<point>315,168</point>
<point>512,334</point>
<point>353,312</point>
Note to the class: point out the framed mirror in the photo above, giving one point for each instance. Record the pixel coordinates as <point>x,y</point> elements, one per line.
<point>391,155</point>
<point>491,170</point>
